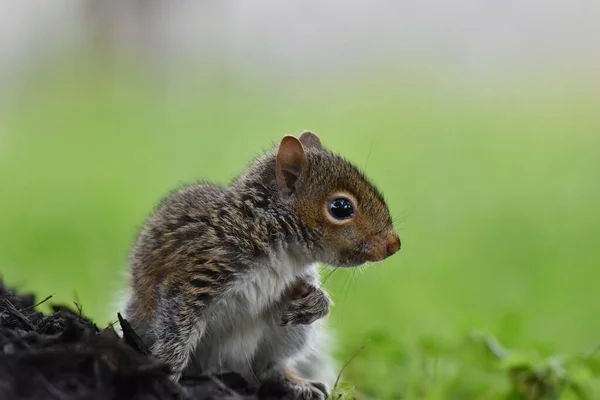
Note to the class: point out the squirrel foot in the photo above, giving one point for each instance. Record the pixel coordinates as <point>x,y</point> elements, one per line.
<point>289,387</point>
<point>309,303</point>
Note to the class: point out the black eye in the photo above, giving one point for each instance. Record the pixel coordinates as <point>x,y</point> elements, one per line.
<point>341,208</point>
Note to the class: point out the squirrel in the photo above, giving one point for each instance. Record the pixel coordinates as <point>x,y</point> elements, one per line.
<point>224,278</point>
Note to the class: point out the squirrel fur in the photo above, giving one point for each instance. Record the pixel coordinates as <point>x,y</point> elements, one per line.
<point>224,278</point>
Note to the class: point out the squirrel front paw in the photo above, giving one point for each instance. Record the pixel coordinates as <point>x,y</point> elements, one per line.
<point>293,389</point>
<point>309,303</point>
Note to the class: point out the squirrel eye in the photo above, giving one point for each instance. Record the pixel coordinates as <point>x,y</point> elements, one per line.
<point>341,208</point>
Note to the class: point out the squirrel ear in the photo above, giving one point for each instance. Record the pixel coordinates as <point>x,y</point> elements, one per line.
<point>309,139</point>
<point>291,163</point>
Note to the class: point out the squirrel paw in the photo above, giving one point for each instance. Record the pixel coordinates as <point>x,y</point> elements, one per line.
<point>309,304</point>
<point>293,389</point>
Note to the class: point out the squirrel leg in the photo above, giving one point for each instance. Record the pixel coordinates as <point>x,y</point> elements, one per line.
<point>281,350</point>
<point>284,384</point>
<point>177,330</point>
<point>308,304</point>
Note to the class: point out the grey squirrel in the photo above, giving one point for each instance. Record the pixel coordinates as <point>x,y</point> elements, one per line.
<point>224,278</point>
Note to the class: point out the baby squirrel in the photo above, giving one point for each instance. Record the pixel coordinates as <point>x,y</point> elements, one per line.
<point>224,278</point>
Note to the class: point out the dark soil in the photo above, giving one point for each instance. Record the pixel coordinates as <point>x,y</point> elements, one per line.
<point>66,356</point>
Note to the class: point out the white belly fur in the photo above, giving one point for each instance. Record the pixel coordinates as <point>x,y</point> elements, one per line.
<point>236,325</point>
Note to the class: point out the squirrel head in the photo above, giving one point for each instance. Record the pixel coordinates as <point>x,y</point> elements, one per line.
<point>330,195</point>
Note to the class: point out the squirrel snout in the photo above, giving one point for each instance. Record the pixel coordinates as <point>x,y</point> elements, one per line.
<point>393,244</point>
<point>382,248</point>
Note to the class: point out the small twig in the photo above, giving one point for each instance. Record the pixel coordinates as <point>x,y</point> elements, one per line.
<point>221,385</point>
<point>495,347</point>
<point>77,302</point>
<point>337,381</point>
<point>79,308</point>
<point>131,337</point>
<point>18,315</point>
<point>218,382</point>
<point>37,304</point>
<point>112,324</point>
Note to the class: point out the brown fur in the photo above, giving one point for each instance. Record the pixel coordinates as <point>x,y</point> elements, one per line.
<point>204,239</point>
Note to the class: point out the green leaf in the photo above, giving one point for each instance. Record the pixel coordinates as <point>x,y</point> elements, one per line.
<point>343,391</point>
<point>517,361</point>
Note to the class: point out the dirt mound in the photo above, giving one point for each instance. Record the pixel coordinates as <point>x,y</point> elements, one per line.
<point>64,355</point>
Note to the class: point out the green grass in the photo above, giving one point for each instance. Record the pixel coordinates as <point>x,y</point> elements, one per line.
<point>496,189</point>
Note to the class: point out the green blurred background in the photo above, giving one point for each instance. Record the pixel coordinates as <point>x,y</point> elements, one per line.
<point>494,178</point>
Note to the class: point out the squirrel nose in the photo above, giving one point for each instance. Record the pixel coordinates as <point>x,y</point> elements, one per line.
<point>382,247</point>
<point>393,244</point>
